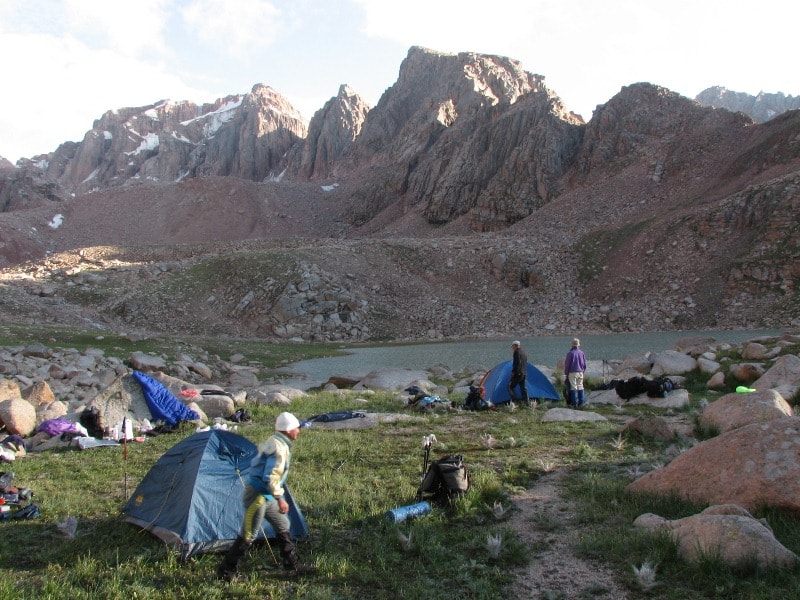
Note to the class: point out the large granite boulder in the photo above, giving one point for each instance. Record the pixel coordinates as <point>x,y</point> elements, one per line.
<point>751,466</point>
<point>569,415</point>
<point>671,362</point>
<point>727,532</point>
<point>783,376</point>
<point>737,410</point>
<point>18,416</point>
<point>391,379</point>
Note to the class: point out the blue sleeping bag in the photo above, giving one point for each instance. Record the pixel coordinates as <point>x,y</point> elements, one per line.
<point>162,404</point>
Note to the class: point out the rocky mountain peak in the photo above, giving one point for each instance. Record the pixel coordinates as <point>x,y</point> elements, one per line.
<point>247,135</point>
<point>761,107</point>
<point>478,123</point>
<point>331,134</point>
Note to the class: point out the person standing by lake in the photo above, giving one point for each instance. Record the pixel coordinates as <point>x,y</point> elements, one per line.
<point>574,368</point>
<point>519,366</point>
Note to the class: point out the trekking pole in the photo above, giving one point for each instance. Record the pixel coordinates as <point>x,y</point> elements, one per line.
<point>125,454</point>
<point>266,539</point>
<point>426,444</point>
<point>427,441</point>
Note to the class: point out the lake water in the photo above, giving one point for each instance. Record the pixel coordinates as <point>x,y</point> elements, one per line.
<point>542,351</point>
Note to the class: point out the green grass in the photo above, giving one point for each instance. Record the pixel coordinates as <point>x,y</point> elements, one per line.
<point>607,513</point>
<point>345,481</point>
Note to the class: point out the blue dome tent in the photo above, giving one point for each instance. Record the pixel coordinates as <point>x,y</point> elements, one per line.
<point>495,382</point>
<point>192,497</point>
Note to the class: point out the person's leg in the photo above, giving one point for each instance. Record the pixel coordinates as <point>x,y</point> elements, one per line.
<point>573,389</point>
<point>254,513</point>
<point>579,387</point>
<point>512,383</point>
<point>286,542</point>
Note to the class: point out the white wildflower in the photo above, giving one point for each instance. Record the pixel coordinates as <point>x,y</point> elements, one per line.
<point>68,527</point>
<point>646,576</point>
<point>494,545</point>
<point>405,540</point>
<point>498,510</point>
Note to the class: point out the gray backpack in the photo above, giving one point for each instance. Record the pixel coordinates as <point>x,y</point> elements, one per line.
<point>446,479</point>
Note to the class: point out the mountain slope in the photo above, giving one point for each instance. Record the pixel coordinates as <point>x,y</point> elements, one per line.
<point>468,202</point>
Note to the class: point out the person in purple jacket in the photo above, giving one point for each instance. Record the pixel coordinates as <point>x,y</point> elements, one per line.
<point>574,368</point>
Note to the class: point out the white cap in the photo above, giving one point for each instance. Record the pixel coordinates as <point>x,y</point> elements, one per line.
<point>515,343</point>
<point>286,422</point>
<point>576,342</point>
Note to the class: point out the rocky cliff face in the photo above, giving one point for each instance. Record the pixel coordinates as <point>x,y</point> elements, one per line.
<point>244,136</point>
<point>461,134</point>
<point>331,134</point>
<point>760,108</point>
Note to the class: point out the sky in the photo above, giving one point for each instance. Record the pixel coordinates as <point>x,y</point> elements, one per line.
<point>66,62</point>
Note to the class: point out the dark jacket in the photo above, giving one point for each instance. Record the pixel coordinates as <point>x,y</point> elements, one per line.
<point>519,363</point>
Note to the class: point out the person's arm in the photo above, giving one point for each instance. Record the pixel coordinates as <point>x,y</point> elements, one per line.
<point>276,473</point>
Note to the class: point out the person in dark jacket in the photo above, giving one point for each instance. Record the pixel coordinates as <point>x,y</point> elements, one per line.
<point>264,499</point>
<point>574,368</point>
<point>519,366</point>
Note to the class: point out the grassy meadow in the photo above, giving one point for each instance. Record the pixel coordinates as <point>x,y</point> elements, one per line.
<point>345,481</point>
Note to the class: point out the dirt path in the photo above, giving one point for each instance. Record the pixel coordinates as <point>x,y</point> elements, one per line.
<point>546,525</point>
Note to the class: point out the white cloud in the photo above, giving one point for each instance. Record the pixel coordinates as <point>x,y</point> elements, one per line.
<point>239,29</point>
<point>62,85</point>
<point>588,50</point>
<point>129,28</point>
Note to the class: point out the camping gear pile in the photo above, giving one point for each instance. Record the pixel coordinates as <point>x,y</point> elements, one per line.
<point>443,480</point>
<point>15,502</point>
<point>635,386</point>
<point>421,400</point>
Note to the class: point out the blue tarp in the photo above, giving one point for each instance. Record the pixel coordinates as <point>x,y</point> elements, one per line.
<point>162,404</point>
<point>192,497</point>
<point>495,382</point>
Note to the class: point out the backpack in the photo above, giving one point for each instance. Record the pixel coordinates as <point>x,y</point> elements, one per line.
<point>659,388</point>
<point>631,388</point>
<point>475,400</point>
<point>240,416</point>
<point>446,479</point>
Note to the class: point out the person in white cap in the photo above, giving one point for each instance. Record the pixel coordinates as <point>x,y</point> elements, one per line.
<point>264,499</point>
<point>519,369</point>
<point>574,368</point>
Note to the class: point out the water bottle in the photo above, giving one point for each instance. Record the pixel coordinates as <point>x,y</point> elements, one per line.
<point>396,515</point>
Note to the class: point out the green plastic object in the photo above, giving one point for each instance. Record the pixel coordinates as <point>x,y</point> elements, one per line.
<point>743,389</point>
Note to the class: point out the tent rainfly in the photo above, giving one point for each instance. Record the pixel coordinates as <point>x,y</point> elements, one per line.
<point>495,382</point>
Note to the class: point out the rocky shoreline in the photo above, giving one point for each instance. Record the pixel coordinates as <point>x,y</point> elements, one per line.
<point>63,381</point>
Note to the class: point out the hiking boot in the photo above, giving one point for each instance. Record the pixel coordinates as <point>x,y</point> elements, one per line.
<point>228,569</point>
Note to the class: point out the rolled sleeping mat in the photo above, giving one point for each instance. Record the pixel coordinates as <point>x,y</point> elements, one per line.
<point>396,515</point>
